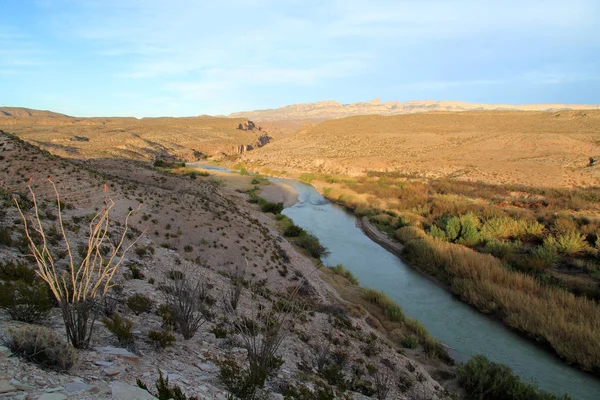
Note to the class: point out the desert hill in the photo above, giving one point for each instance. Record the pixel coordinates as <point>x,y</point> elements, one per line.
<point>204,231</point>
<point>533,148</point>
<point>325,110</point>
<point>144,139</point>
<point>16,112</point>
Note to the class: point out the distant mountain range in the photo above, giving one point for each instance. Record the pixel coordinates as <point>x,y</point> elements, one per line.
<point>324,110</point>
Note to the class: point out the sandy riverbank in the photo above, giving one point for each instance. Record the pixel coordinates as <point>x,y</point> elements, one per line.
<point>274,192</point>
<point>277,192</point>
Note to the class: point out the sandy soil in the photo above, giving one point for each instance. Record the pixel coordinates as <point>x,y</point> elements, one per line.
<point>277,192</point>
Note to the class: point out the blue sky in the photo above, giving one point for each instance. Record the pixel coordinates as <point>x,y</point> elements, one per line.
<point>191,57</point>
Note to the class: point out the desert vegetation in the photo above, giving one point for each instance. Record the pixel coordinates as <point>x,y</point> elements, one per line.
<point>515,252</point>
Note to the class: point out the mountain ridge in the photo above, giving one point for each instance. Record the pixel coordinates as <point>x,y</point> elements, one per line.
<point>330,109</point>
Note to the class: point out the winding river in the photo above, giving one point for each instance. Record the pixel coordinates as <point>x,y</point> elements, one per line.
<point>466,331</point>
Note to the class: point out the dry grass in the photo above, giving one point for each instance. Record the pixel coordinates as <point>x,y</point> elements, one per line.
<point>568,323</point>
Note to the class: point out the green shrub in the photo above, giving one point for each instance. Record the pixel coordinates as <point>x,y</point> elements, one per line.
<point>25,302</point>
<point>410,342</point>
<point>501,249</point>
<point>311,243</point>
<point>268,207</point>
<point>567,243</point>
<point>293,231</point>
<point>17,272</point>
<point>255,181</point>
<point>239,381</point>
<point>141,251</point>
<point>135,272</point>
<point>120,327</point>
<point>139,303</point>
<point>5,237</point>
<point>42,346</point>
<point>164,391</point>
<point>161,339</point>
<point>483,379</point>
<point>341,270</point>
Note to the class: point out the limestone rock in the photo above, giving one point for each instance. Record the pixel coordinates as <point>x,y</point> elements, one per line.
<point>123,391</point>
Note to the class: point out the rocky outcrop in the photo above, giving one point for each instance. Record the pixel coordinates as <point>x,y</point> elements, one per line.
<point>323,110</point>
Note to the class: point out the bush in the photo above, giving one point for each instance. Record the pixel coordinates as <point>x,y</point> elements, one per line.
<point>42,346</point>
<point>139,303</point>
<point>410,342</point>
<point>483,379</point>
<point>389,306</point>
<point>164,391</point>
<point>341,270</point>
<point>268,207</point>
<point>239,381</point>
<point>568,243</point>
<point>186,303</point>
<point>311,243</point>
<point>161,339</point>
<point>136,272</point>
<point>120,327</point>
<point>293,231</point>
<point>5,237</point>
<point>25,302</point>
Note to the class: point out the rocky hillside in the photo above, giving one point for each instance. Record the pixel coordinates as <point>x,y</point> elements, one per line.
<point>532,148</point>
<point>145,139</point>
<point>324,110</point>
<point>193,231</point>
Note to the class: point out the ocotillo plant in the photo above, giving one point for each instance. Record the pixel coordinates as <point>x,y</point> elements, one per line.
<point>80,286</point>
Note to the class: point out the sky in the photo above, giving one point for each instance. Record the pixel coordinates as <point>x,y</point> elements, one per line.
<point>191,57</point>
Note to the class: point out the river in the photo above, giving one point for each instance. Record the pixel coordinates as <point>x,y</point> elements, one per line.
<point>465,330</point>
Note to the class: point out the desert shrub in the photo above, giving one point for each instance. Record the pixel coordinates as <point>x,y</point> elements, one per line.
<point>161,339</point>
<point>239,381</point>
<point>410,342</point>
<point>501,249</point>
<point>293,231</point>
<point>5,237</point>
<point>186,303</point>
<point>567,243</point>
<point>188,249</point>
<point>42,346</point>
<point>311,243</point>
<point>482,379</point>
<point>389,306</point>
<point>507,227</point>
<point>140,303</point>
<point>141,251</point>
<point>341,270</point>
<point>334,375</point>
<point>25,302</point>
<point>268,207</point>
<point>164,391</point>
<point>135,272</point>
<point>17,272</point>
<point>255,181</point>
<point>120,327</point>
<point>220,331</point>
<point>175,275</point>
